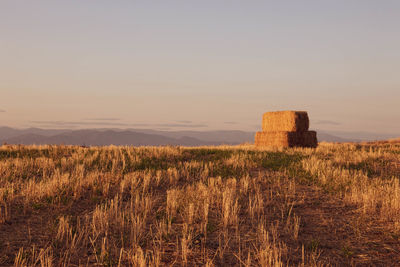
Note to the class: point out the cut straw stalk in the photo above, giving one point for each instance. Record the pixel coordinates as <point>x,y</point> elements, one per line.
<point>286,139</point>
<point>290,121</point>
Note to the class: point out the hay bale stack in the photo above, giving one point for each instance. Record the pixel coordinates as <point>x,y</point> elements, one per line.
<point>289,121</point>
<point>286,129</point>
<point>286,139</point>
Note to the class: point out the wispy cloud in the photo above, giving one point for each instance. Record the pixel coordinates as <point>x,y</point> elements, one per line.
<point>100,122</point>
<point>176,125</point>
<point>164,126</point>
<point>79,123</point>
<point>327,122</point>
<point>186,122</point>
<point>141,124</point>
<point>2,110</point>
<point>230,122</point>
<point>102,119</point>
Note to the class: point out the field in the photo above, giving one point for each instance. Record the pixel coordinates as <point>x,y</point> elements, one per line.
<point>335,205</point>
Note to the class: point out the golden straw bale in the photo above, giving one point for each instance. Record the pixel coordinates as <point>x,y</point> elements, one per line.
<point>286,139</point>
<point>290,121</point>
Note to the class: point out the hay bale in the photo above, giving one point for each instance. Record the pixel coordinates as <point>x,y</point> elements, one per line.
<point>290,121</point>
<point>286,139</point>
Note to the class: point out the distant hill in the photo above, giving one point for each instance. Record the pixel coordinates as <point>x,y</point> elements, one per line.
<point>238,137</point>
<point>101,138</point>
<point>223,137</point>
<point>7,132</point>
<point>143,137</point>
<point>364,136</point>
<point>325,137</point>
<point>394,140</point>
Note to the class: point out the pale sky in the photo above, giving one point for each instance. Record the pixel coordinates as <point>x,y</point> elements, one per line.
<point>199,65</point>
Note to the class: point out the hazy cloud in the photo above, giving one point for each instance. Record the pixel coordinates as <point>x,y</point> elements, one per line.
<point>109,122</point>
<point>79,123</point>
<point>141,124</point>
<point>176,125</point>
<point>162,129</point>
<point>2,110</point>
<point>186,122</point>
<point>230,122</point>
<point>102,119</point>
<point>327,122</point>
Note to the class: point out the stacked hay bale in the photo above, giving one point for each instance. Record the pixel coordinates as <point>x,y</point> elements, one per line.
<point>286,129</point>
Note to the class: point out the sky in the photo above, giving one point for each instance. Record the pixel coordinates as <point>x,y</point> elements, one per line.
<point>199,65</point>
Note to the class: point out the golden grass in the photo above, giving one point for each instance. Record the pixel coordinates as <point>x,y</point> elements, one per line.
<point>213,206</point>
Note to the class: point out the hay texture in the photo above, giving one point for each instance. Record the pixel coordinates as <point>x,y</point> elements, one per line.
<point>286,139</point>
<point>290,121</point>
<point>286,129</point>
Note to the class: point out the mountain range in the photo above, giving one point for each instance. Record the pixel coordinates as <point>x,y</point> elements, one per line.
<point>145,137</point>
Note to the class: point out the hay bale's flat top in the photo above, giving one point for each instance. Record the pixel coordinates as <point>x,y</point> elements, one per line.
<point>291,121</point>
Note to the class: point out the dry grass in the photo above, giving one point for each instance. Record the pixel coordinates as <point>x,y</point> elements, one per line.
<point>213,206</point>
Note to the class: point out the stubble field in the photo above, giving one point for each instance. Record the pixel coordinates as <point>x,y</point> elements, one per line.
<point>335,205</point>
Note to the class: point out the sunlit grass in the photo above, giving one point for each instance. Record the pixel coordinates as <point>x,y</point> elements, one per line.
<point>152,206</point>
